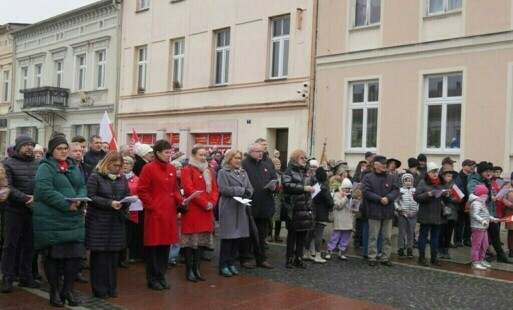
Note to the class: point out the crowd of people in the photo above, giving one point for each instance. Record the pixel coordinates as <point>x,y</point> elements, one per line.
<point>106,209</point>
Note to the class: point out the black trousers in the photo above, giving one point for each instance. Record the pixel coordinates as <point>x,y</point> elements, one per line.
<point>495,237</point>
<point>104,272</point>
<point>54,268</point>
<point>295,243</point>
<point>228,252</point>
<point>446,234</point>
<point>358,235</point>
<point>156,263</point>
<point>18,236</point>
<point>255,243</point>
<point>462,231</point>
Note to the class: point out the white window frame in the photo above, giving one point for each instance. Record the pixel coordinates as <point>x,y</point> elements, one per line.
<point>444,101</point>
<point>59,73</point>
<point>6,95</point>
<point>38,75</point>
<point>24,77</point>
<point>101,69</point>
<point>367,15</point>
<point>143,4</point>
<point>445,8</point>
<point>178,62</point>
<point>281,40</point>
<point>142,65</point>
<point>81,72</point>
<point>225,54</point>
<point>365,106</point>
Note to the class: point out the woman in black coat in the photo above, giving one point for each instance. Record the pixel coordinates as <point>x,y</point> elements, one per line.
<point>105,223</point>
<point>297,205</point>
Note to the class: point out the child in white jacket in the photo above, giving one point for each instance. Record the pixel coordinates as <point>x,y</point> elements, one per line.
<point>406,209</point>
<point>342,221</point>
<point>479,221</point>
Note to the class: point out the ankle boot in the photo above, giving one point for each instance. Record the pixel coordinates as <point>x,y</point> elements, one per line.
<point>72,301</point>
<point>434,260</point>
<point>422,260</point>
<point>189,274</point>
<point>55,299</point>
<point>196,264</point>
<point>6,284</point>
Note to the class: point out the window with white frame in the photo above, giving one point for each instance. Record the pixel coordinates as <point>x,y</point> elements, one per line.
<point>280,30</point>
<point>101,66</point>
<point>81,71</point>
<point>178,63</point>
<point>222,57</point>
<point>142,62</point>
<point>38,75</point>
<point>443,6</point>
<point>143,4</point>
<point>443,100</point>
<point>363,114</point>
<point>24,78</point>
<point>6,84</point>
<point>59,72</point>
<point>367,12</point>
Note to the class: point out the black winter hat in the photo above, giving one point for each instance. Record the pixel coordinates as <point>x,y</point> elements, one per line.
<point>55,142</point>
<point>483,166</point>
<point>422,157</point>
<point>22,140</point>
<point>321,175</point>
<point>412,162</point>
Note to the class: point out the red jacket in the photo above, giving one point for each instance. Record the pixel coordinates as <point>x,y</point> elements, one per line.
<point>498,204</point>
<point>133,182</point>
<point>197,219</point>
<point>158,190</point>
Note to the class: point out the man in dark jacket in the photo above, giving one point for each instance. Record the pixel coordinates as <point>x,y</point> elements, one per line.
<point>462,232</point>
<point>20,170</point>
<point>260,173</point>
<point>95,153</point>
<point>380,190</point>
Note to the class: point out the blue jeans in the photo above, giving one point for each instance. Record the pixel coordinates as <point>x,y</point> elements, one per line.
<point>174,251</point>
<point>365,240</point>
<point>434,231</point>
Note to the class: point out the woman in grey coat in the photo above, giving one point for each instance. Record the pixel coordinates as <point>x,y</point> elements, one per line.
<point>232,181</point>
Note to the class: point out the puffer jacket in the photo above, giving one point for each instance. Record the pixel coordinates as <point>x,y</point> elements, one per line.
<point>21,172</point>
<point>296,202</point>
<point>406,202</point>
<point>478,213</point>
<point>105,226</point>
<point>53,223</point>
<point>323,204</point>
<point>430,208</point>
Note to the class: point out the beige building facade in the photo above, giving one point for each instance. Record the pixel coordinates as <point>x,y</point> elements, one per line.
<point>221,73</point>
<point>406,77</point>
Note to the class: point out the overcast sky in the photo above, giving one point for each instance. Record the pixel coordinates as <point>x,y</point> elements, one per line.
<point>32,11</point>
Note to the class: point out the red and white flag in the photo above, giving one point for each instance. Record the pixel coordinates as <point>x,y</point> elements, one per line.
<point>107,132</point>
<point>457,193</point>
<point>134,140</point>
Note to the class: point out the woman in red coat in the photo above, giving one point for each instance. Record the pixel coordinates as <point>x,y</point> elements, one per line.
<point>158,190</point>
<point>197,223</point>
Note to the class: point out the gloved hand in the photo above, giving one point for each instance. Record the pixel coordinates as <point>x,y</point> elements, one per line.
<point>485,224</point>
<point>247,194</point>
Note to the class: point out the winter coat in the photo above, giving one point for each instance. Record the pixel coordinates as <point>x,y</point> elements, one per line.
<point>475,179</point>
<point>20,171</point>
<point>133,183</point>
<point>406,203</point>
<point>139,163</point>
<point>105,226</point>
<point>158,190</point>
<point>4,185</point>
<point>430,208</point>
<point>453,204</point>
<point>461,181</point>
<point>233,218</point>
<point>278,197</point>
<point>342,217</point>
<point>53,222</point>
<point>376,186</point>
<point>478,213</point>
<point>198,219</point>
<point>92,159</point>
<point>323,204</point>
<point>260,173</point>
<point>508,208</point>
<point>297,204</point>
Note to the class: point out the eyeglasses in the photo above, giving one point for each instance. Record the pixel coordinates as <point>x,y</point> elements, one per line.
<point>117,166</point>
<point>62,148</point>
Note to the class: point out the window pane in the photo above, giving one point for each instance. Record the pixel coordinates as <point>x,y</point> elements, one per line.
<point>176,70</point>
<point>226,64</point>
<point>286,26</point>
<point>435,87</point>
<point>454,5</point>
<point>219,39</point>
<point>361,13</point>
<point>219,67</point>
<point>375,11</point>
<point>357,128</point>
<point>373,92</point>
<point>285,57</point>
<point>275,60</point>
<point>434,126</point>
<point>372,127</point>
<point>453,126</point>
<point>277,25</point>
<point>100,82</point>
<point>454,86</point>
<point>358,90</point>
<point>227,38</point>
<point>140,75</point>
<point>436,6</point>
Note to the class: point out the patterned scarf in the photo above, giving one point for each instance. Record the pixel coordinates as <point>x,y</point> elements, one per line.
<point>203,167</point>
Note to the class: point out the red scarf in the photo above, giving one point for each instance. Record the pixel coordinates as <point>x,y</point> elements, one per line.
<point>63,165</point>
<point>435,181</point>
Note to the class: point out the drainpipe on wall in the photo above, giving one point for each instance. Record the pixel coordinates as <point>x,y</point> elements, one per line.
<point>312,81</point>
<point>119,5</point>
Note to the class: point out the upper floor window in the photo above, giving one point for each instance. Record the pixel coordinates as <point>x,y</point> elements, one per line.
<point>38,75</point>
<point>442,6</point>
<point>222,57</point>
<point>142,62</point>
<point>363,116</point>
<point>143,4</point>
<point>178,63</point>
<point>280,30</point>
<point>443,101</point>
<point>367,12</point>
<point>24,78</point>
<point>59,72</point>
<point>81,71</point>
<point>101,66</point>
<point>6,84</point>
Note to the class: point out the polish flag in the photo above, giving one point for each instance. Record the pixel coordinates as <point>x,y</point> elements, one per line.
<point>134,140</point>
<point>457,193</point>
<point>107,132</point>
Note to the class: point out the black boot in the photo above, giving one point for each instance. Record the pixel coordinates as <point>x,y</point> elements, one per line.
<point>72,301</point>
<point>298,262</point>
<point>55,299</point>
<point>189,274</point>
<point>289,263</point>
<point>502,258</point>
<point>6,284</point>
<point>196,264</point>
<point>422,260</point>
<point>400,253</point>
<point>434,260</point>
<point>409,253</point>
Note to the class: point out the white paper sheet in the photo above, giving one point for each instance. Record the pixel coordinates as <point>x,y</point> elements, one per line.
<point>271,183</point>
<point>196,193</point>
<point>131,199</point>
<point>244,201</point>
<point>136,206</point>
<point>317,188</point>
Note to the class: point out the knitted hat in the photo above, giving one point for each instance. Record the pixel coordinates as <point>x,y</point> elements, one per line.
<point>39,148</point>
<point>314,163</point>
<point>481,190</point>
<point>22,140</point>
<point>55,142</point>
<point>483,166</point>
<point>143,149</point>
<point>346,183</point>
<point>321,175</point>
<point>413,162</point>
<point>177,164</point>
<point>406,176</point>
<point>422,157</point>
<point>432,166</point>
